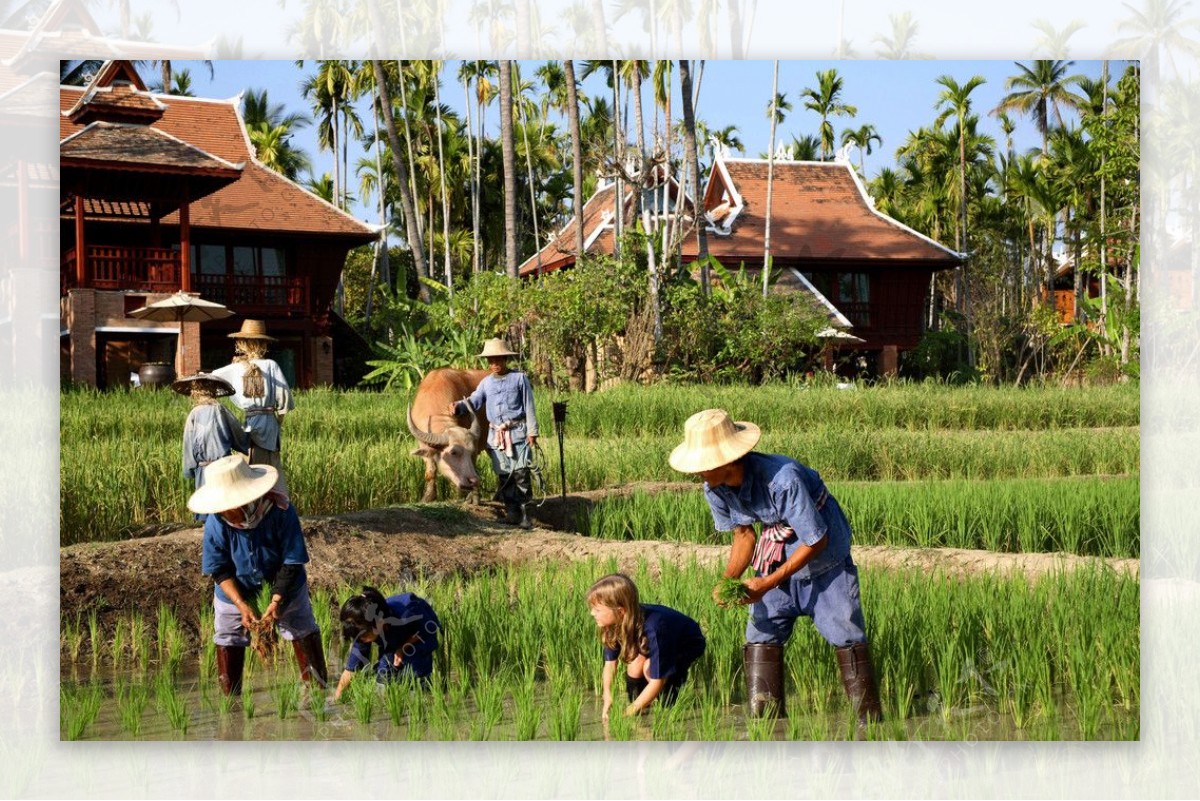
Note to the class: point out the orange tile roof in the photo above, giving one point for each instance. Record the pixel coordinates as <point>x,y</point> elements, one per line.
<point>818,211</point>
<point>260,198</point>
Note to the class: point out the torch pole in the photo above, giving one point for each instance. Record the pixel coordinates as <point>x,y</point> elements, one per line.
<point>560,420</point>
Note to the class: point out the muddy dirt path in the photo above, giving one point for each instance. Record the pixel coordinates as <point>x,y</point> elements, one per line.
<point>385,545</point>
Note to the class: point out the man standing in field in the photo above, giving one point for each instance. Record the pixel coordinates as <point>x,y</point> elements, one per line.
<point>801,559</point>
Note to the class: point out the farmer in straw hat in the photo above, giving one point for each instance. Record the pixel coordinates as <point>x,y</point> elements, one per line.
<point>260,391</point>
<point>801,559</point>
<point>211,431</point>
<point>252,537</point>
<point>512,420</point>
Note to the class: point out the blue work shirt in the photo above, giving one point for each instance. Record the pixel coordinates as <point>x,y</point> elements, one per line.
<point>776,489</point>
<point>254,555</point>
<point>506,398</point>
<point>210,433</point>
<point>407,615</point>
<point>673,639</point>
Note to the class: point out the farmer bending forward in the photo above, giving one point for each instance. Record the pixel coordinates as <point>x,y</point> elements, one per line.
<point>801,559</point>
<point>252,537</point>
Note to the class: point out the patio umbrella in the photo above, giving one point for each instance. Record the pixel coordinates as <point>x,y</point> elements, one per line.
<point>182,307</point>
<point>838,333</point>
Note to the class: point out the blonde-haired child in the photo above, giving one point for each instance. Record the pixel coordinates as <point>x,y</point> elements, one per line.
<point>656,643</point>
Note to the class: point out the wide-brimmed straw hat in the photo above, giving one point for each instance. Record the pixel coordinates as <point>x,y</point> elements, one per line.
<point>252,329</point>
<point>215,385</point>
<point>496,347</point>
<point>231,482</point>
<point>711,439</point>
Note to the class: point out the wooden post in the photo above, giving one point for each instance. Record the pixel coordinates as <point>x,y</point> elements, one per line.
<point>185,243</point>
<point>80,248</point>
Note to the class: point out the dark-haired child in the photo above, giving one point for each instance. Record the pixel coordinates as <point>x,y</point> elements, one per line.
<point>404,629</point>
<point>656,643</point>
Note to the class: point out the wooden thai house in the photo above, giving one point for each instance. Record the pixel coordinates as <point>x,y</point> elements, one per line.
<point>161,193</point>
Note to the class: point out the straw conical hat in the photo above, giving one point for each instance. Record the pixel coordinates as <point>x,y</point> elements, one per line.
<point>496,347</point>
<point>219,387</point>
<point>252,329</point>
<point>711,439</point>
<point>231,482</point>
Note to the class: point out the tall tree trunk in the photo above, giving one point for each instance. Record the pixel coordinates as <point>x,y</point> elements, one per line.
<point>165,66</point>
<point>576,153</point>
<point>406,199</point>
<point>619,139</point>
<point>599,27</point>
<point>508,150</point>
<point>766,268</point>
<point>471,148</point>
<point>437,104</point>
<point>693,159</point>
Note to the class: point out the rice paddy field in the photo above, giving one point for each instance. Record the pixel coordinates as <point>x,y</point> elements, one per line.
<point>981,656</point>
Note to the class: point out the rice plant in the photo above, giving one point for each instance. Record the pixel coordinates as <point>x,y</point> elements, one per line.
<point>132,699</point>
<point>286,694</point>
<point>78,707</point>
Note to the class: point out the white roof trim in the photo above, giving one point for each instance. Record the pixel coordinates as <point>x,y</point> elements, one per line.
<point>736,207</point>
<point>837,316</point>
<point>862,190</point>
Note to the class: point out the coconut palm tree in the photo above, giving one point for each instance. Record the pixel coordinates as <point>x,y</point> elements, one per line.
<point>826,100</point>
<point>1038,90</point>
<point>862,139</point>
<point>693,160</point>
<point>899,44</point>
<point>576,151</point>
<point>1053,41</point>
<point>1157,31</point>
<point>508,148</point>
<point>270,130</point>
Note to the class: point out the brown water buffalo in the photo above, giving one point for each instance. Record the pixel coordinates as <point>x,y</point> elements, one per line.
<point>448,444</point>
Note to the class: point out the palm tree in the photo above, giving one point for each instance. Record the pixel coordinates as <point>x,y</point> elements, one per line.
<point>1038,90</point>
<point>955,101</point>
<point>826,101</point>
<point>508,148</point>
<point>270,130</point>
<point>576,152</point>
<point>776,116</point>
<point>693,159</point>
<point>806,148</point>
<point>862,139</point>
<point>1053,42</point>
<point>1158,30</point>
<point>415,243</point>
<point>899,44</point>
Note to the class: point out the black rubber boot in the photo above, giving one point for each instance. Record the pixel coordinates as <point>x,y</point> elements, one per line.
<point>634,687</point>
<point>858,677</point>
<point>522,495</point>
<point>231,661</point>
<point>503,480</point>
<point>764,679</point>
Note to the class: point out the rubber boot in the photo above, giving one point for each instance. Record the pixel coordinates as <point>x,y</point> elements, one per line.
<point>858,677</point>
<point>311,658</point>
<point>522,495</point>
<point>231,660</point>
<point>634,687</point>
<point>764,679</point>
<point>502,483</point>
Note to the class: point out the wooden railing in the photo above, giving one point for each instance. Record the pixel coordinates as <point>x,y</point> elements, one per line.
<point>859,314</point>
<point>116,267</point>
<point>255,293</point>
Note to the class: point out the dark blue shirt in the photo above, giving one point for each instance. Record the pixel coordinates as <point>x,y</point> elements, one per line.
<point>776,489</point>
<point>406,615</point>
<point>253,555</point>
<point>673,639</point>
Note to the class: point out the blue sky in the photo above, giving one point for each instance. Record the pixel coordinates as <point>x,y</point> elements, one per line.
<point>895,96</point>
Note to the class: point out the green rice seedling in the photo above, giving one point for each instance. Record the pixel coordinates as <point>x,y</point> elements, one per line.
<point>416,708</point>
<point>395,701</point>
<point>362,694</point>
<point>225,704</point>
<point>170,703</point>
<point>732,592</point>
<point>73,639</point>
<point>78,707</point>
<point>94,637</point>
<point>620,726</point>
<point>489,707</point>
<point>139,642</point>
<point>761,728</point>
<point>286,694</point>
<point>564,717</point>
<point>117,644</point>
<point>527,716</point>
<point>132,699</point>
<point>248,707</point>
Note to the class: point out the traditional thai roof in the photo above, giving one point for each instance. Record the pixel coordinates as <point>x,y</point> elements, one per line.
<point>820,212</point>
<point>599,228</point>
<point>259,199</point>
<point>139,147</point>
